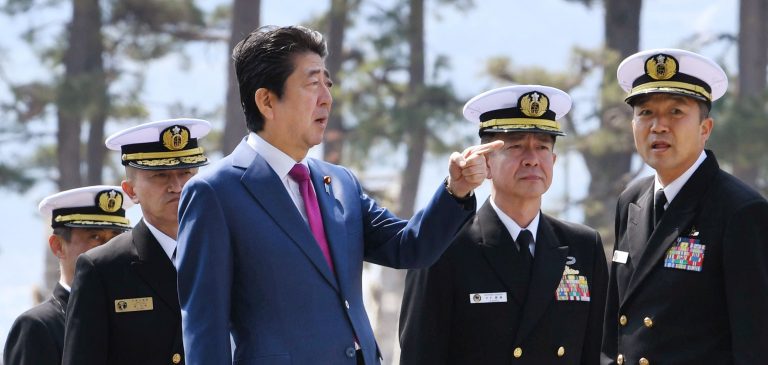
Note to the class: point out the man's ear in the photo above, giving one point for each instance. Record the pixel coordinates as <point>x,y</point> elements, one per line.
<point>128,189</point>
<point>706,128</point>
<point>487,159</point>
<point>55,243</point>
<point>264,101</point>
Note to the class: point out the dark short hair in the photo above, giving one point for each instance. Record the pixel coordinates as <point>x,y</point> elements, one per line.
<point>265,59</point>
<point>64,232</point>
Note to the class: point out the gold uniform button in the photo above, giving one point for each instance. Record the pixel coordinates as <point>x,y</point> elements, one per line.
<point>620,359</point>
<point>643,361</point>
<point>623,320</point>
<point>176,358</point>
<point>518,352</point>
<point>648,322</point>
<point>560,351</point>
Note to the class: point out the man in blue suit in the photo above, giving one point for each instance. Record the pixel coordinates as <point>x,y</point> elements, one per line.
<point>272,243</point>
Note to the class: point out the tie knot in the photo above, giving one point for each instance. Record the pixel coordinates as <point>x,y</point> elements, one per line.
<point>299,173</point>
<point>524,239</point>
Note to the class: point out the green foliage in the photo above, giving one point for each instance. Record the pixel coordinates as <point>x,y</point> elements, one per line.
<point>13,7</point>
<point>133,33</point>
<point>582,64</point>
<point>220,17</point>
<point>14,178</point>
<point>377,94</point>
<point>739,138</point>
<point>145,30</point>
<point>30,100</point>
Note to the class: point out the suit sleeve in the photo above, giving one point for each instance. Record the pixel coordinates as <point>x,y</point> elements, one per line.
<point>30,343</point>
<point>204,264</point>
<point>594,333</point>
<point>418,242</point>
<point>745,264</point>
<point>86,336</point>
<point>425,319</point>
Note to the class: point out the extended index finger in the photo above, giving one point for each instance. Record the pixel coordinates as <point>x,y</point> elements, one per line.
<point>485,148</point>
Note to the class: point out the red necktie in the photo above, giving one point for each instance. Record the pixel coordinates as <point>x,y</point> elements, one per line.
<point>300,174</point>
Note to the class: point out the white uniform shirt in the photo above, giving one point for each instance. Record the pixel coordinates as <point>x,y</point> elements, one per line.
<point>514,228</point>
<point>281,164</point>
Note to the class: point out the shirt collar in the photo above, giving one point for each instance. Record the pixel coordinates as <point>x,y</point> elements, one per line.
<point>167,243</point>
<point>671,190</point>
<point>278,160</point>
<point>512,226</point>
<point>65,286</point>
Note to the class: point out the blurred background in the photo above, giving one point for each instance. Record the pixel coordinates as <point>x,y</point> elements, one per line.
<point>74,71</point>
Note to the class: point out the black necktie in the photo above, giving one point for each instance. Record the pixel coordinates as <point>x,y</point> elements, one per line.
<point>524,240</point>
<point>659,200</point>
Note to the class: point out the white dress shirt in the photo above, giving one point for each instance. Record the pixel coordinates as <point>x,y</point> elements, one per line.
<point>671,190</point>
<point>167,243</point>
<point>514,228</point>
<point>281,164</point>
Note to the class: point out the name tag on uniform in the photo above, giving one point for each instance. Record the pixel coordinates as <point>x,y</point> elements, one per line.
<point>687,253</point>
<point>133,305</point>
<point>620,256</point>
<point>488,298</point>
<point>573,287</point>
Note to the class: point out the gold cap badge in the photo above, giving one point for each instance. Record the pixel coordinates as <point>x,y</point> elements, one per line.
<point>175,137</point>
<point>661,67</point>
<point>110,201</point>
<point>534,104</point>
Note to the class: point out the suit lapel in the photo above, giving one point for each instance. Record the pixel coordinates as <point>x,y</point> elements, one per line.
<point>60,298</point>
<point>500,251</point>
<point>154,266</point>
<point>333,221</point>
<point>548,266</point>
<point>268,190</point>
<point>679,216</point>
<point>639,225</point>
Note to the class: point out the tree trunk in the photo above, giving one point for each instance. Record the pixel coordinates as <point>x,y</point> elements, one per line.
<point>608,156</point>
<point>334,134</point>
<point>417,135</point>
<point>753,49</point>
<point>83,33</point>
<point>753,59</point>
<point>82,59</point>
<point>392,280</point>
<point>98,111</point>
<point>245,18</point>
<point>96,150</point>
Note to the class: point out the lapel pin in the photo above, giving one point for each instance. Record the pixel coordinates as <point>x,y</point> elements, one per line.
<point>327,181</point>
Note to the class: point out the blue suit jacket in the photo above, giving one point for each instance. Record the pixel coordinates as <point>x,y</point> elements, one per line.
<point>248,264</point>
